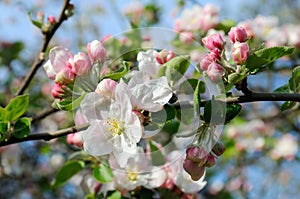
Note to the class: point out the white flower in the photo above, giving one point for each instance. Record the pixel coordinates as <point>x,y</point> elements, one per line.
<point>146,94</point>
<point>137,172</point>
<point>286,147</point>
<point>114,128</point>
<point>180,177</point>
<point>148,63</point>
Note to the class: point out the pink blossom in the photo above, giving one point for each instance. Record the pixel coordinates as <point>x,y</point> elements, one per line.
<point>51,19</point>
<point>209,58</point>
<point>74,139</point>
<point>214,41</point>
<point>105,38</point>
<point>186,37</point>
<point>58,91</point>
<point>237,34</point>
<point>81,63</point>
<point>210,161</point>
<point>209,17</point>
<point>196,154</point>
<point>215,71</point>
<point>240,52</point>
<point>65,76</point>
<point>163,56</point>
<point>106,87</point>
<point>96,51</point>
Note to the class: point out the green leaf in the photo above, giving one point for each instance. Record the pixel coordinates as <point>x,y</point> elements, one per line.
<point>232,110</point>
<point>66,172</point>
<point>120,73</point>
<point>294,81</point>
<point>68,104</point>
<point>171,127</point>
<point>103,173</point>
<point>157,157</point>
<point>3,127</point>
<point>266,56</point>
<point>16,107</point>
<point>225,25</point>
<point>283,89</point>
<point>22,127</point>
<point>3,114</point>
<point>234,78</point>
<point>287,105</point>
<point>115,195</point>
<point>197,98</point>
<point>175,68</point>
<point>190,85</point>
<point>38,24</point>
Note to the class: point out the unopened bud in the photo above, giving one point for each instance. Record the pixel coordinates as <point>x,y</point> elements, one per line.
<point>106,87</point>
<point>70,10</point>
<point>210,161</point>
<point>164,56</point>
<point>51,19</point>
<point>218,149</point>
<point>237,34</point>
<point>40,16</point>
<point>193,169</point>
<point>197,154</point>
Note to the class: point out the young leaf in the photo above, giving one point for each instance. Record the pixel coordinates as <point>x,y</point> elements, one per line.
<point>225,25</point>
<point>115,195</point>
<point>68,104</point>
<point>16,107</point>
<point>3,127</point>
<point>283,89</point>
<point>38,24</point>
<point>294,81</point>
<point>103,173</point>
<point>266,56</point>
<point>120,73</point>
<point>66,172</point>
<point>197,98</point>
<point>2,114</point>
<point>22,127</point>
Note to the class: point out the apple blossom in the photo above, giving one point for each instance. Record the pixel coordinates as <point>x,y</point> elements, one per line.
<point>58,60</point>
<point>58,91</point>
<point>286,147</point>
<point>163,56</point>
<point>65,76</point>
<point>96,51</point>
<point>81,63</point>
<point>51,19</point>
<point>114,129</point>
<point>215,71</point>
<point>147,62</point>
<point>237,34</point>
<point>74,139</point>
<point>240,52</point>
<point>189,20</point>
<point>210,17</point>
<point>186,37</point>
<point>196,154</point>
<point>214,41</point>
<point>207,59</point>
<point>107,87</point>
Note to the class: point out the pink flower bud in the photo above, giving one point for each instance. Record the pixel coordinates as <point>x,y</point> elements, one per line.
<point>81,63</point>
<point>215,71</point>
<point>207,59</point>
<point>214,41</point>
<point>237,34</point>
<point>105,38</point>
<point>218,149</point>
<point>106,87</point>
<point>186,37</point>
<point>40,16</point>
<point>65,76</point>
<point>240,52</point>
<point>164,56</point>
<point>210,161</point>
<point>51,19</point>
<point>193,169</point>
<point>197,154</point>
<point>96,51</point>
<point>58,91</point>
<point>73,139</point>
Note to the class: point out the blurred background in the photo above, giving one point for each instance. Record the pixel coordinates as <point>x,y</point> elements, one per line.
<point>261,158</point>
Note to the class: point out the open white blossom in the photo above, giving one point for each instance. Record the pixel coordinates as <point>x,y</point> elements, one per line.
<point>114,128</point>
<point>148,63</point>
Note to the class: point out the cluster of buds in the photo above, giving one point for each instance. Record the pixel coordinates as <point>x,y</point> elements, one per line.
<point>64,67</point>
<point>213,62</point>
<point>197,158</point>
<point>210,61</point>
<point>240,50</point>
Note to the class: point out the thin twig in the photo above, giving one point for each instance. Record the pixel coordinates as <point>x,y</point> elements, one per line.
<point>45,136</point>
<point>44,114</point>
<point>41,58</point>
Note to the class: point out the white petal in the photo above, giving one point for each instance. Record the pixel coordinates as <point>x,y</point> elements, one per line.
<point>95,106</point>
<point>49,70</point>
<point>95,142</point>
<point>59,57</point>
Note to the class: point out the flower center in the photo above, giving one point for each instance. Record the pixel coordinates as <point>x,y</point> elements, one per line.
<point>116,126</point>
<point>132,176</point>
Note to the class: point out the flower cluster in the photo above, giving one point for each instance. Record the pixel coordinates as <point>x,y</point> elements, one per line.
<point>215,63</point>
<point>63,66</point>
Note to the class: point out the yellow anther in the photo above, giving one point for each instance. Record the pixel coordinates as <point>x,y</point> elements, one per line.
<point>116,126</point>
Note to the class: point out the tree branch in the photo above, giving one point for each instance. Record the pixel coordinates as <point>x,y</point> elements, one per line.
<point>45,136</point>
<point>44,114</point>
<point>41,58</point>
